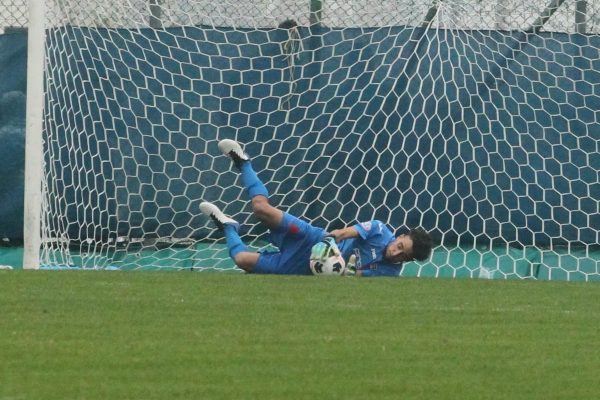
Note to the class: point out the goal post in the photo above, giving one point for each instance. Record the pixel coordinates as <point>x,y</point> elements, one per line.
<point>477,121</point>
<point>33,138</point>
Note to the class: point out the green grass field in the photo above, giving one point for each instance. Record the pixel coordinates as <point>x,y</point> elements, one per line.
<point>152,335</point>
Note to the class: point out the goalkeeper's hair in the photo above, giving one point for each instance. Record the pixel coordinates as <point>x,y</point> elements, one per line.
<point>422,244</point>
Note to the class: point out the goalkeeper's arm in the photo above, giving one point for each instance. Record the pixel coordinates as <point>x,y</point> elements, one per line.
<point>345,233</point>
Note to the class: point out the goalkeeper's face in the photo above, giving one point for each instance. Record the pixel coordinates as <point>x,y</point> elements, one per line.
<point>399,250</point>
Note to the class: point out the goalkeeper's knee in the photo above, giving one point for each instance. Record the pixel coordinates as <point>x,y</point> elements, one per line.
<point>245,260</point>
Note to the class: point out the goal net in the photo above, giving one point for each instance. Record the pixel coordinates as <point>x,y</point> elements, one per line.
<point>476,120</point>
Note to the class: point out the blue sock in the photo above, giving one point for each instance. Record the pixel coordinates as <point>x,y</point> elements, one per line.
<point>234,242</point>
<point>251,182</point>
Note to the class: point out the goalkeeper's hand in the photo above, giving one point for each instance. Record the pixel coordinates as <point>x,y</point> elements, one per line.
<point>351,266</point>
<point>333,235</point>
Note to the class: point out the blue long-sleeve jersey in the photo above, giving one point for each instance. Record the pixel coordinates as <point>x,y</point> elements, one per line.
<point>369,249</point>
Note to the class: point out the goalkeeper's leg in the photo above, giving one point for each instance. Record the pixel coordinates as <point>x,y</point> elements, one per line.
<point>237,249</point>
<point>257,191</point>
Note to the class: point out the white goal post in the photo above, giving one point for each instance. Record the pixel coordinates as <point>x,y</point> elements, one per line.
<point>476,120</point>
<point>33,139</point>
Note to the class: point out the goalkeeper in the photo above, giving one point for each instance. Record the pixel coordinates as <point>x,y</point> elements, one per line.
<point>369,248</point>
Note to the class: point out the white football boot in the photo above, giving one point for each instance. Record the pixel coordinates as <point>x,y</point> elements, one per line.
<point>220,219</point>
<point>233,150</point>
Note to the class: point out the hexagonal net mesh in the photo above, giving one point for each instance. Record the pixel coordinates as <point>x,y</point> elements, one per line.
<point>478,121</point>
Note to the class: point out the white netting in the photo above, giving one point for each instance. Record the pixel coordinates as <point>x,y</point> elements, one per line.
<point>571,16</point>
<point>567,15</point>
<point>13,14</point>
<point>477,120</point>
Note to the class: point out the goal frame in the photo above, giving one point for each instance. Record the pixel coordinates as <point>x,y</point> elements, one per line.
<point>33,135</point>
<point>39,241</point>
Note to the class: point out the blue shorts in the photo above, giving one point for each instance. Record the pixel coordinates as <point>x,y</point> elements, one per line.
<point>294,238</point>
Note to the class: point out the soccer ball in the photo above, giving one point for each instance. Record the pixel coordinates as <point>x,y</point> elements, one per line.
<point>326,258</point>
<point>334,265</point>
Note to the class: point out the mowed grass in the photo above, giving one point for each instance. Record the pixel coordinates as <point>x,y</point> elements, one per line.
<point>151,335</point>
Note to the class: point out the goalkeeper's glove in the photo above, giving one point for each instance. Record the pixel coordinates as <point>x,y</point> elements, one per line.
<point>324,249</point>
<point>332,236</point>
<point>351,266</point>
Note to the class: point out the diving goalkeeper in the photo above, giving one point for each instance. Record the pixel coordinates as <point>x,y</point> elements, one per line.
<point>369,248</point>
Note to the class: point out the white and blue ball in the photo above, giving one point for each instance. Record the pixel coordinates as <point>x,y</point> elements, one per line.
<point>326,258</point>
